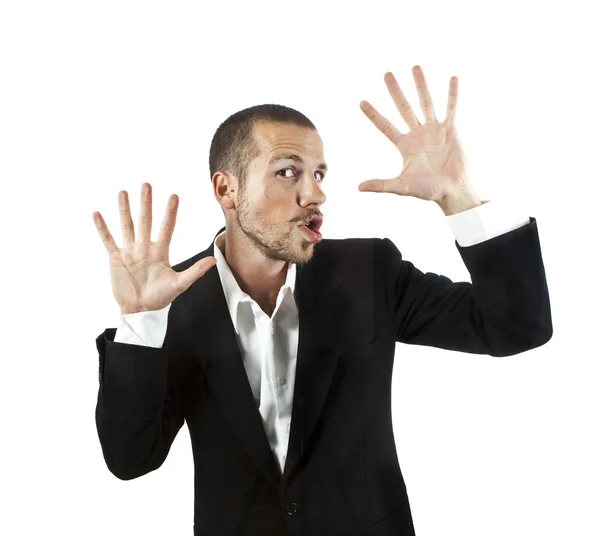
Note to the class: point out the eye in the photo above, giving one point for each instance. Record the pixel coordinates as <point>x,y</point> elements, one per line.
<point>318,171</point>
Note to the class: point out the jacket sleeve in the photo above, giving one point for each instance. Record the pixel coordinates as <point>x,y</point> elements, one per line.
<point>504,311</point>
<point>138,410</point>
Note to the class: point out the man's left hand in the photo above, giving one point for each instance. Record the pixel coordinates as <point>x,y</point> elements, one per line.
<point>434,163</point>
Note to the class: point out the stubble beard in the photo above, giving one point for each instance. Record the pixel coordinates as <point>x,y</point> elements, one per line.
<point>274,244</point>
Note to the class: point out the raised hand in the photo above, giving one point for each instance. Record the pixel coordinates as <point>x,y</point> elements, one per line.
<point>434,163</point>
<point>141,275</point>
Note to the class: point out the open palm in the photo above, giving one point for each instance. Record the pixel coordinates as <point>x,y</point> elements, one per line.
<point>434,162</point>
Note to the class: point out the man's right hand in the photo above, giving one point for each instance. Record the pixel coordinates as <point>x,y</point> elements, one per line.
<point>141,275</point>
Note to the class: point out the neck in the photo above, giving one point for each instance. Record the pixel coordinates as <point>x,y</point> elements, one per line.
<point>261,283</point>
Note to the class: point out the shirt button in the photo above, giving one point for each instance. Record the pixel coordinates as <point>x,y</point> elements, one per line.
<point>289,425</point>
<point>281,380</point>
<point>291,508</point>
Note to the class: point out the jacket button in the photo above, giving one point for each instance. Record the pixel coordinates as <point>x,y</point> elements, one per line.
<point>291,508</point>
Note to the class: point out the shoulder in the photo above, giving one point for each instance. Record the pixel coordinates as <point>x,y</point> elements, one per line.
<point>352,252</point>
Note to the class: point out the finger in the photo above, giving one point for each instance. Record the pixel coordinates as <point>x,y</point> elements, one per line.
<point>194,272</point>
<point>373,185</point>
<point>424,96</point>
<point>452,99</point>
<point>400,101</point>
<point>382,185</point>
<point>145,212</point>
<point>389,130</point>
<point>104,233</point>
<point>126,221</point>
<point>168,224</point>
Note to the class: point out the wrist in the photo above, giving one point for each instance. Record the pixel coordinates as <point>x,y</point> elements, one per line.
<point>458,201</point>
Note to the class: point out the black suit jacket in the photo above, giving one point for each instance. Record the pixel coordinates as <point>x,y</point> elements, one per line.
<point>356,298</point>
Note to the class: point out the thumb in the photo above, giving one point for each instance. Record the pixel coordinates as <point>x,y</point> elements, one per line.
<point>375,185</point>
<point>195,272</point>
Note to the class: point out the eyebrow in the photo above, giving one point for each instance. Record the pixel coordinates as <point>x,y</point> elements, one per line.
<point>295,158</point>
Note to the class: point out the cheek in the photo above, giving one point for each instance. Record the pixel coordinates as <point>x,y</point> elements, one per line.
<point>275,193</point>
<point>278,201</point>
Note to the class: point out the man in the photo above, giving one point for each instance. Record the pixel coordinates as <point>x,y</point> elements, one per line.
<point>280,361</point>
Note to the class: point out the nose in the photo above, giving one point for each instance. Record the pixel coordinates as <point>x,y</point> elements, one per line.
<point>310,191</point>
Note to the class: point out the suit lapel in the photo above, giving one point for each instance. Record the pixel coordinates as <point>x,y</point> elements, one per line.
<point>320,323</point>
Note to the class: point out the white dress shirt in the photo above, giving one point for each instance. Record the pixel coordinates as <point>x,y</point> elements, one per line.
<point>268,345</point>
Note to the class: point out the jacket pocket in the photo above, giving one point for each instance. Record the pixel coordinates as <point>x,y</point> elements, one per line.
<point>398,519</point>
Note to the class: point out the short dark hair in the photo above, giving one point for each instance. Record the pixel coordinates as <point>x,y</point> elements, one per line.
<point>233,146</point>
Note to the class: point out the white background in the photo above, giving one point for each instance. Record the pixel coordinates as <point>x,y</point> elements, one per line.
<point>101,96</point>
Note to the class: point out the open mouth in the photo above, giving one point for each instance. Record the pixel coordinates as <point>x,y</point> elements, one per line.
<point>311,229</point>
<point>314,223</point>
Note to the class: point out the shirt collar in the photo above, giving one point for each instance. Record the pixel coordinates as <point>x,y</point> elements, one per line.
<point>234,295</point>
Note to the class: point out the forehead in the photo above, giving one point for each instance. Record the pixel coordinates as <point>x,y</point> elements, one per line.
<point>275,138</point>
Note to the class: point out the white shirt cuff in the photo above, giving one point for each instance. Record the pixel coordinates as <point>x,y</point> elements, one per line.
<point>485,221</point>
<point>146,328</point>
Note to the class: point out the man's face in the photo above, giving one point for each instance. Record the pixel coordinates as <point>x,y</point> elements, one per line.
<point>280,195</point>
